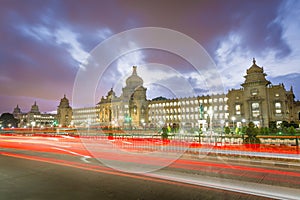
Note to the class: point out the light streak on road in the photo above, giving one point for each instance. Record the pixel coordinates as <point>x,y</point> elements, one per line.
<point>182,180</point>
<point>133,153</point>
<point>83,157</point>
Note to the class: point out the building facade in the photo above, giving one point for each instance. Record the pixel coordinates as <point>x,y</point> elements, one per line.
<point>261,102</point>
<point>33,118</point>
<point>64,112</point>
<point>258,100</point>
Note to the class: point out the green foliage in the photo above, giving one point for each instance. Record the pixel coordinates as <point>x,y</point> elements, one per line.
<point>243,130</point>
<point>295,125</point>
<point>252,132</point>
<point>227,130</point>
<point>264,131</point>
<point>291,130</point>
<point>165,131</point>
<point>273,127</point>
<point>237,130</point>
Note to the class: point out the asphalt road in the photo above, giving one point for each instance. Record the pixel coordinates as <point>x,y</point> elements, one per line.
<point>35,180</point>
<point>35,167</point>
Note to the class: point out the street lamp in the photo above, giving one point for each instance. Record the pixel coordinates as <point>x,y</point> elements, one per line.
<point>243,130</point>
<point>222,125</point>
<point>143,123</point>
<point>32,125</point>
<point>243,120</point>
<point>210,112</point>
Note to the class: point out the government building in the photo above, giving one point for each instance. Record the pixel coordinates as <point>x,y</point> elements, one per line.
<point>257,100</point>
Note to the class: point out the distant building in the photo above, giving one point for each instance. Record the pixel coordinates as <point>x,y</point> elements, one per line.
<point>257,100</point>
<point>34,118</point>
<point>64,112</point>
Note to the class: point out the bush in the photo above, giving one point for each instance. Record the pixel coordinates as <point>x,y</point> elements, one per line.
<point>227,130</point>
<point>252,132</point>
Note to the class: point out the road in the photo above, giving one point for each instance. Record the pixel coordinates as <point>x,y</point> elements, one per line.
<point>61,168</point>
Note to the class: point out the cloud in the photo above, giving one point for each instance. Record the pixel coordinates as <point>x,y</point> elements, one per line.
<point>67,37</point>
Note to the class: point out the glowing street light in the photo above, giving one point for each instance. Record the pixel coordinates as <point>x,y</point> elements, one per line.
<point>32,125</point>
<point>233,119</point>
<point>243,120</point>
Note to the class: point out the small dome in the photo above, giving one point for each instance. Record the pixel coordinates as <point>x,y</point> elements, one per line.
<point>111,93</point>
<point>17,110</point>
<point>34,108</point>
<point>64,102</point>
<point>134,80</point>
<point>254,68</point>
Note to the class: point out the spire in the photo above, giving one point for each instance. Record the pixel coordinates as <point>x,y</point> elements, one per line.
<point>291,88</point>
<point>134,70</point>
<point>64,95</point>
<point>254,61</point>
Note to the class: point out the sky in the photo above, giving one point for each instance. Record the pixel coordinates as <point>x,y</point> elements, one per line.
<point>45,44</point>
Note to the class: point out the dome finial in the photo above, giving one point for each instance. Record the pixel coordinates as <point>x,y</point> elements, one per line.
<point>134,70</point>
<point>254,61</point>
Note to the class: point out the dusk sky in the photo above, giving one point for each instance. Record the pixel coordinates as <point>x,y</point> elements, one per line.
<point>44,43</point>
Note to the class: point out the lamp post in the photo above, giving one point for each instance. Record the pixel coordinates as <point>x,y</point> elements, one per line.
<point>222,125</point>
<point>32,125</point>
<point>243,130</point>
<point>143,123</point>
<point>210,113</point>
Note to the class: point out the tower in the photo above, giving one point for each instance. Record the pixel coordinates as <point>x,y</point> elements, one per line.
<point>64,112</point>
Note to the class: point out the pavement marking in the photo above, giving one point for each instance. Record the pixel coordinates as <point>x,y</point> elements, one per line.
<point>83,157</point>
<point>258,189</point>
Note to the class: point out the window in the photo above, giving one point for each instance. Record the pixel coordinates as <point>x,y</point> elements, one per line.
<point>238,109</point>
<point>278,108</point>
<point>255,109</point>
<point>215,108</point>
<point>254,92</point>
<point>226,107</point>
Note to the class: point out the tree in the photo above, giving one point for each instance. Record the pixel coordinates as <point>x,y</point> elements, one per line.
<point>273,127</point>
<point>227,130</point>
<point>295,125</point>
<point>264,131</point>
<point>291,130</point>
<point>164,134</point>
<point>251,133</point>
<point>8,120</point>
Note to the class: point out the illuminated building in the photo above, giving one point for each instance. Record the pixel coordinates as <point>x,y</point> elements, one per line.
<point>257,100</point>
<point>34,118</point>
<point>64,112</point>
<point>261,102</point>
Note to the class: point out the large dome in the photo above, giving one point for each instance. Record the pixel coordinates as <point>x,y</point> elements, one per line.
<point>134,80</point>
